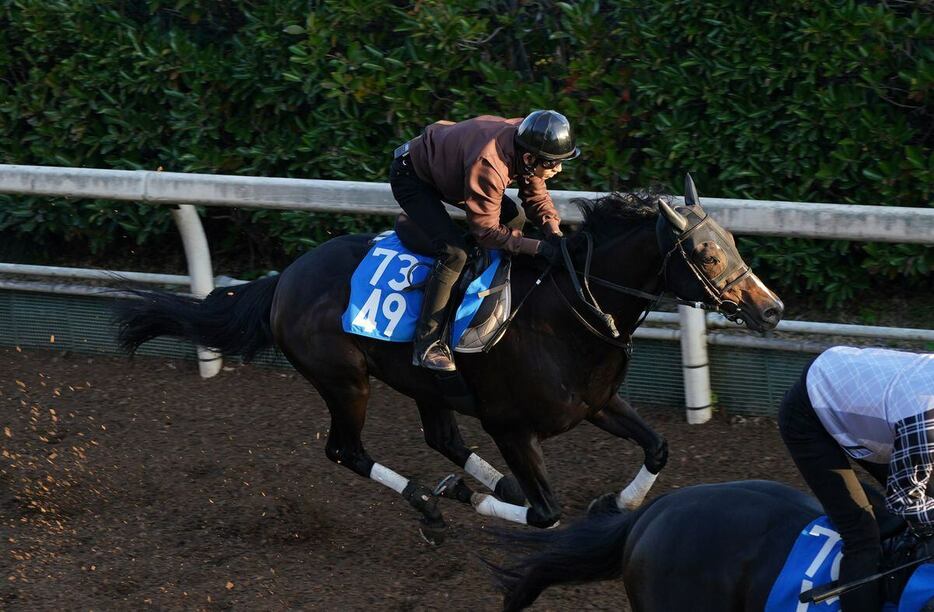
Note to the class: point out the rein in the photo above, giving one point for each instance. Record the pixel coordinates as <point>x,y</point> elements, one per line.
<point>583,293</point>
<point>582,289</point>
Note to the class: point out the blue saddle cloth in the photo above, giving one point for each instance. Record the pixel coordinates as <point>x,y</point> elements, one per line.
<point>385,305</point>
<point>814,561</point>
<point>919,590</point>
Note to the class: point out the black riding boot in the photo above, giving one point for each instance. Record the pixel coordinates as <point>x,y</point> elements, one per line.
<point>431,351</point>
<point>856,565</point>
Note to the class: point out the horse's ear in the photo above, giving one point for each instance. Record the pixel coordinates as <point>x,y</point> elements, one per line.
<point>690,191</point>
<point>676,219</point>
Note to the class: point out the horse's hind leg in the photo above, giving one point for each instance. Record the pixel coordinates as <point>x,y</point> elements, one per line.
<point>443,435</point>
<point>620,419</point>
<point>346,392</point>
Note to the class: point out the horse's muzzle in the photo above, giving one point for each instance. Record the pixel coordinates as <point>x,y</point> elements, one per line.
<point>757,306</point>
<point>761,322</point>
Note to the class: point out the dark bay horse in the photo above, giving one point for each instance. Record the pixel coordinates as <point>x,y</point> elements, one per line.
<point>704,548</point>
<point>556,366</point>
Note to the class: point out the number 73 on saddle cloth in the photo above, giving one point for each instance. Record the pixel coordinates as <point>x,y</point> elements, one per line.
<point>386,298</point>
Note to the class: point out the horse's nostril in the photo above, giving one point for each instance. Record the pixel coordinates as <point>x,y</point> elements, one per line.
<point>770,314</point>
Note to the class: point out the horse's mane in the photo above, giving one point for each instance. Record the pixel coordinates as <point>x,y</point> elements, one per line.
<point>609,214</point>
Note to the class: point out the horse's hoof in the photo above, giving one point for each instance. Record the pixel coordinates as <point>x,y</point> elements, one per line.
<point>446,482</point>
<point>433,534</point>
<point>425,502</point>
<point>605,504</point>
<point>509,491</point>
<point>453,487</point>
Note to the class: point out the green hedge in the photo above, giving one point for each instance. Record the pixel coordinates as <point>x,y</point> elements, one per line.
<point>800,100</point>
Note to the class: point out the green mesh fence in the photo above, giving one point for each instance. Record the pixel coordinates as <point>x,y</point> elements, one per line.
<point>745,381</point>
<point>70,323</point>
<point>750,381</point>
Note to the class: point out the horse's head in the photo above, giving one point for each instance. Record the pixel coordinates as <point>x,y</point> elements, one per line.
<point>702,264</point>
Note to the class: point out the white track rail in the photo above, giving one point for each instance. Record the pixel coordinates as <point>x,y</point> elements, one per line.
<point>750,217</point>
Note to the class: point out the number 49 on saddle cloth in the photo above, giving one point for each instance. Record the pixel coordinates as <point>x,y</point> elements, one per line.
<point>814,561</point>
<point>385,297</point>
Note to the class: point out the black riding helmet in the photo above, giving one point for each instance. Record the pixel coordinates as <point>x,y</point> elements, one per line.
<point>547,134</point>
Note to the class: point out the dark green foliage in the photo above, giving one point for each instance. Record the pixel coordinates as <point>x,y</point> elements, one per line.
<point>799,100</point>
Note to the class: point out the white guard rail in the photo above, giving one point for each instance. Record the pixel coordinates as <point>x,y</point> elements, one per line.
<point>750,217</point>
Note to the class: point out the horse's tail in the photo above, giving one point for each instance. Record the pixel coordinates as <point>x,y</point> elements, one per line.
<point>231,320</point>
<point>589,550</point>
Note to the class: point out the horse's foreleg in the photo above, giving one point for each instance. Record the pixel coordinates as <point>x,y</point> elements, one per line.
<point>523,454</point>
<point>621,420</point>
<point>443,435</point>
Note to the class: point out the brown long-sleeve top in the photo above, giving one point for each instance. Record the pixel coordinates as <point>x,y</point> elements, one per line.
<point>471,163</point>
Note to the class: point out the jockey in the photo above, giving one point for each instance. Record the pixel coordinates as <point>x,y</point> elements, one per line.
<point>469,164</point>
<point>874,406</point>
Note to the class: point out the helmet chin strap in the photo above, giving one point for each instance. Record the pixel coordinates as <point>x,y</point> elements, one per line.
<point>525,169</point>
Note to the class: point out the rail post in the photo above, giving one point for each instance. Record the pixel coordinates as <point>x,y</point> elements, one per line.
<point>695,365</point>
<point>198,257</point>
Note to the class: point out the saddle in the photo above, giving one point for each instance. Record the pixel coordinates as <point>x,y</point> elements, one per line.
<point>385,298</point>
<point>493,305</point>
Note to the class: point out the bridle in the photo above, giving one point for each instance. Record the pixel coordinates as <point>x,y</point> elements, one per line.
<point>736,269</point>
<point>717,303</point>
<point>728,308</point>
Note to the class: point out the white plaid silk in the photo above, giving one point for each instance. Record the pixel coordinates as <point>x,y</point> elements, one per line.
<point>878,404</point>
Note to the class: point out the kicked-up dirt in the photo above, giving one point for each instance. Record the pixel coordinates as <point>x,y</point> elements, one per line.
<point>133,485</point>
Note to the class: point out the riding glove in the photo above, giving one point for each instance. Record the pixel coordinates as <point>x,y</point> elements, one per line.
<point>922,531</point>
<point>549,249</point>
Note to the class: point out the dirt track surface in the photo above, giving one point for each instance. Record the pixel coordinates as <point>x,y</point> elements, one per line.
<point>136,485</point>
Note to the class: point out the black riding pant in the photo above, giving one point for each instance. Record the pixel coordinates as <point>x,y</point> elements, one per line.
<point>827,470</point>
<point>423,204</point>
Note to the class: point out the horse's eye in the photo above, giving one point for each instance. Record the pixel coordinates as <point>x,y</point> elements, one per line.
<point>706,253</point>
<point>705,258</point>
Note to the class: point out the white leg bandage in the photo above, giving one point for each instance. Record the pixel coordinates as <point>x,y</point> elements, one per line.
<point>482,471</point>
<point>384,476</point>
<point>632,496</point>
<point>487,505</point>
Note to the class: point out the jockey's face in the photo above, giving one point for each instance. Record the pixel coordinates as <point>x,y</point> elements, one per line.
<point>540,170</point>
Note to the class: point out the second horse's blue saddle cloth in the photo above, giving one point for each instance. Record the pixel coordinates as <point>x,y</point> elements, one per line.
<point>814,561</point>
